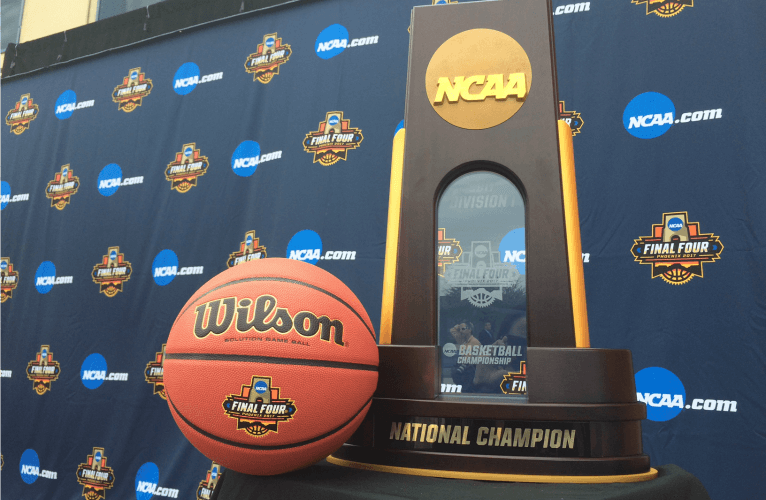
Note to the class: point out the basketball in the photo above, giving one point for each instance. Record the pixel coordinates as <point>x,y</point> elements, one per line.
<point>270,366</point>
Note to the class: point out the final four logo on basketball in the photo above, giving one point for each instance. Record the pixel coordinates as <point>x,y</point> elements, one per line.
<point>94,475</point>
<point>42,370</point>
<point>334,138</point>
<point>130,94</point>
<point>250,249</point>
<point>112,272</point>
<point>24,112</point>
<point>154,373</point>
<point>9,277</point>
<point>265,62</point>
<point>258,408</point>
<point>677,249</point>
<point>186,168</point>
<point>664,8</point>
<point>62,187</point>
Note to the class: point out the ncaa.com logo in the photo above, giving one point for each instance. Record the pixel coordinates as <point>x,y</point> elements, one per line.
<point>5,195</point>
<point>29,467</point>
<point>334,39</point>
<point>45,277</point>
<point>513,250</point>
<point>651,114</point>
<point>247,157</point>
<point>93,372</point>
<point>110,179</point>
<point>147,480</point>
<point>187,78</point>
<point>665,396</point>
<point>165,268</point>
<point>67,103</point>
<point>306,246</point>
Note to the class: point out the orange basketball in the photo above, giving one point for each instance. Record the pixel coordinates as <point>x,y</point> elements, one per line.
<point>270,366</point>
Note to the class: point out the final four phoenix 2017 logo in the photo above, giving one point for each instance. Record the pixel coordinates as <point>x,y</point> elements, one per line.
<point>665,8</point>
<point>258,409</point>
<point>9,279</point>
<point>572,118</point>
<point>24,112</point>
<point>186,168</point>
<point>448,251</point>
<point>271,54</point>
<point>112,272</point>
<point>42,370</point>
<point>250,249</point>
<point>94,475</point>
<point>154,373</point>
<point>333,140</point>
<point>62,187</point>
<point>131,93</point>
<point>677,249</point>
<point>207,486</point>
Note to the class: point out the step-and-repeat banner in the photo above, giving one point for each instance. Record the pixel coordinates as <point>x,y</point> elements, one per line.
<point>131,178</point>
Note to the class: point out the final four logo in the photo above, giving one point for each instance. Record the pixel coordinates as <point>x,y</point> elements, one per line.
<point>24,112</point>
<point>62,187</point>
<point>186,168</point>
<point>207,485</point>
<point>43,370</point>
<point>9,279</point>
<point>264,63</point>
<point>250,249</point>
<point>677,249</point>
<point>94,476</point>
<point>448,251</point>
<point>154,373</point>
<point>572,118</point>
<point>112,272</point>
<point>515,382</point>
<point>258,409</point>
<point>665,8</point>
<point>333,140</point>
<point>131,93</point>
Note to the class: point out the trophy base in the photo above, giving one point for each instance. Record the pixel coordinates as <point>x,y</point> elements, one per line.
<point>582,423</point>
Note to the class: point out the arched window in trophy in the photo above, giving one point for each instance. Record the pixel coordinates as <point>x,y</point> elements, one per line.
<point>482,286</point>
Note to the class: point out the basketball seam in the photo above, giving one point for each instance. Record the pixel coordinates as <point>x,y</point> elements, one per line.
<point>285,280</point>
<point>192,356</point>
<point>262,447</point>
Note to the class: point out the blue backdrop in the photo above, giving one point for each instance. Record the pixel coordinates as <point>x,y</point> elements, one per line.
<point>665,103</point>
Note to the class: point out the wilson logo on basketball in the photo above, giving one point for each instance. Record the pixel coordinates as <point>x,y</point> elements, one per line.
<point>218,315</point>
<point>258,409</point>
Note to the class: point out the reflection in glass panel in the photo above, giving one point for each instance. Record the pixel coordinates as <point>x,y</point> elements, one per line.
<point>482,311</point>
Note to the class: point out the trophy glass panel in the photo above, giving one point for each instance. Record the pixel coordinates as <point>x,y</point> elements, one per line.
<point>481,281</point>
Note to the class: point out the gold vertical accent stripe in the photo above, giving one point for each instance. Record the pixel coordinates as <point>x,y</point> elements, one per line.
<point>574,245</point>
<point>392,237</point>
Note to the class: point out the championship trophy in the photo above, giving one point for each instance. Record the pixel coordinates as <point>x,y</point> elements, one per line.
<point>485,366</point>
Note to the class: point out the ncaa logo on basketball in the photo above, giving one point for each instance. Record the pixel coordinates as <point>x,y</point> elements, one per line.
<point>19,117</point>
<point>43,370</point>
<point>264,63</point>
<point>258,409</point>
<point>478,79</point>
<point>95,476</point>
<point>131,92</point>
<point>153,374</point>
<point>9,279</point>
<point>664,8</point>
<point>249,249</point>
<point>63,186</point>
<point>334,138</point>
<point>111,272</point>
<point>186,168</point>
<point>677,249</point>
